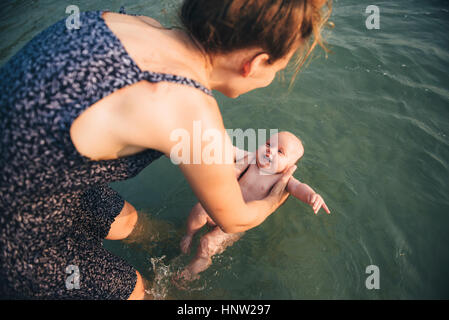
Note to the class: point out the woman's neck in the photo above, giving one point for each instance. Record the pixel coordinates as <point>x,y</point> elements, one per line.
<point>215,71</point>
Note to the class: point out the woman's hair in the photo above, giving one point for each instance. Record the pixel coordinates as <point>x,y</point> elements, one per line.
<point>276,26</point>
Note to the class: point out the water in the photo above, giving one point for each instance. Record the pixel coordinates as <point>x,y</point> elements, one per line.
<point>374,118</point>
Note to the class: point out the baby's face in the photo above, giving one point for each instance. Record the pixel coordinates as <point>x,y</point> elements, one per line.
<point>280,152</point>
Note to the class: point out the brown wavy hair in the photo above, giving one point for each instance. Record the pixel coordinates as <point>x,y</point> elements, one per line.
<point>276,26</point>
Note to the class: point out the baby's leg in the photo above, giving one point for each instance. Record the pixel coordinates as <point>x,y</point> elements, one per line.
<point>197,219</point>
<point>212,243</point>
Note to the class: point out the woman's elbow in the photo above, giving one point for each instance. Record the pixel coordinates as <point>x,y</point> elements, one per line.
<point>232,223</point>
<point>236,227</point>
<point>233,228</point>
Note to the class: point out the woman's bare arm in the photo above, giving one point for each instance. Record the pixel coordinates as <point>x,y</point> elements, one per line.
<point>218,190</point>
<point>215,185</point>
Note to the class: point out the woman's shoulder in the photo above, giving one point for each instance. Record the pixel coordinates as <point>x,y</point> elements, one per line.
<point>179,101</point>
<point>120,17</point>
<point>150,21</point>
<point>156,49</point>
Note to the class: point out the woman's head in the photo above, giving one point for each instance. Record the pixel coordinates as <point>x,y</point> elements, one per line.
<point>276,27</point>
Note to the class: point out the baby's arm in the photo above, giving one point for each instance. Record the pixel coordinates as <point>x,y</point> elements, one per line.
<point>306,194</point>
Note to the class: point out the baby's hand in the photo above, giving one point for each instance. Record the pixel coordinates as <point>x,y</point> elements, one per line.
<point>316,201</point>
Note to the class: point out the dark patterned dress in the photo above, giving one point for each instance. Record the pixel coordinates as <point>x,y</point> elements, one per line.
<point>55,204</point>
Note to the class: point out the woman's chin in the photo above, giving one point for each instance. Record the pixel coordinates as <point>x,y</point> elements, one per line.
<point>230,93</point>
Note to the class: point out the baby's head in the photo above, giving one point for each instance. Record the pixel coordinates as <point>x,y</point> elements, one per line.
<point>279,153</point>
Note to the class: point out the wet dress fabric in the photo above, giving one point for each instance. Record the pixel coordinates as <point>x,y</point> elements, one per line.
<point>55,205</point>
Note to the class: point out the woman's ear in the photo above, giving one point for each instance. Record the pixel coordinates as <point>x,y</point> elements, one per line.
<point>251,66</point>
<point>246,69</point>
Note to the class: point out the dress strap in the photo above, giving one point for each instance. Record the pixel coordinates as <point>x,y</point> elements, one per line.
<point>122,11</point>
<point>158,77</point>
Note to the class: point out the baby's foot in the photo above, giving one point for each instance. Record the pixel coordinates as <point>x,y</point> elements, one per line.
<point>185,244</point>
<point>187,275</point>
<point>182,279</point>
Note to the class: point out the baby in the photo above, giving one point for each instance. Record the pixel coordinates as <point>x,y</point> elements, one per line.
<point>256,178</point>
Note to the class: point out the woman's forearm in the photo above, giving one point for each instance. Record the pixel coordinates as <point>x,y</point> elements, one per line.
<point>255,213</point>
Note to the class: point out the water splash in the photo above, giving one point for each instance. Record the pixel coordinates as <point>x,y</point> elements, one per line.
<point>165,275</point>
<point>161,282</point>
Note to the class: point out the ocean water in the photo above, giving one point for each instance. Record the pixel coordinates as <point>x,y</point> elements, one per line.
<point>374,119</point>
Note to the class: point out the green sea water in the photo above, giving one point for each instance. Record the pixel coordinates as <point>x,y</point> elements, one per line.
<point>374,119</point>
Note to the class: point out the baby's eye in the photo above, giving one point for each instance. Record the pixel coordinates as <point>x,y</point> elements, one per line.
<point>280,151</point>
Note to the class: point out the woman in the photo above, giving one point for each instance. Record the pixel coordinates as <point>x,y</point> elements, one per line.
<point>84,107</point>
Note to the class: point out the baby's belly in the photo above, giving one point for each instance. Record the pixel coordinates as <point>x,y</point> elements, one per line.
<point>253,192</point>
